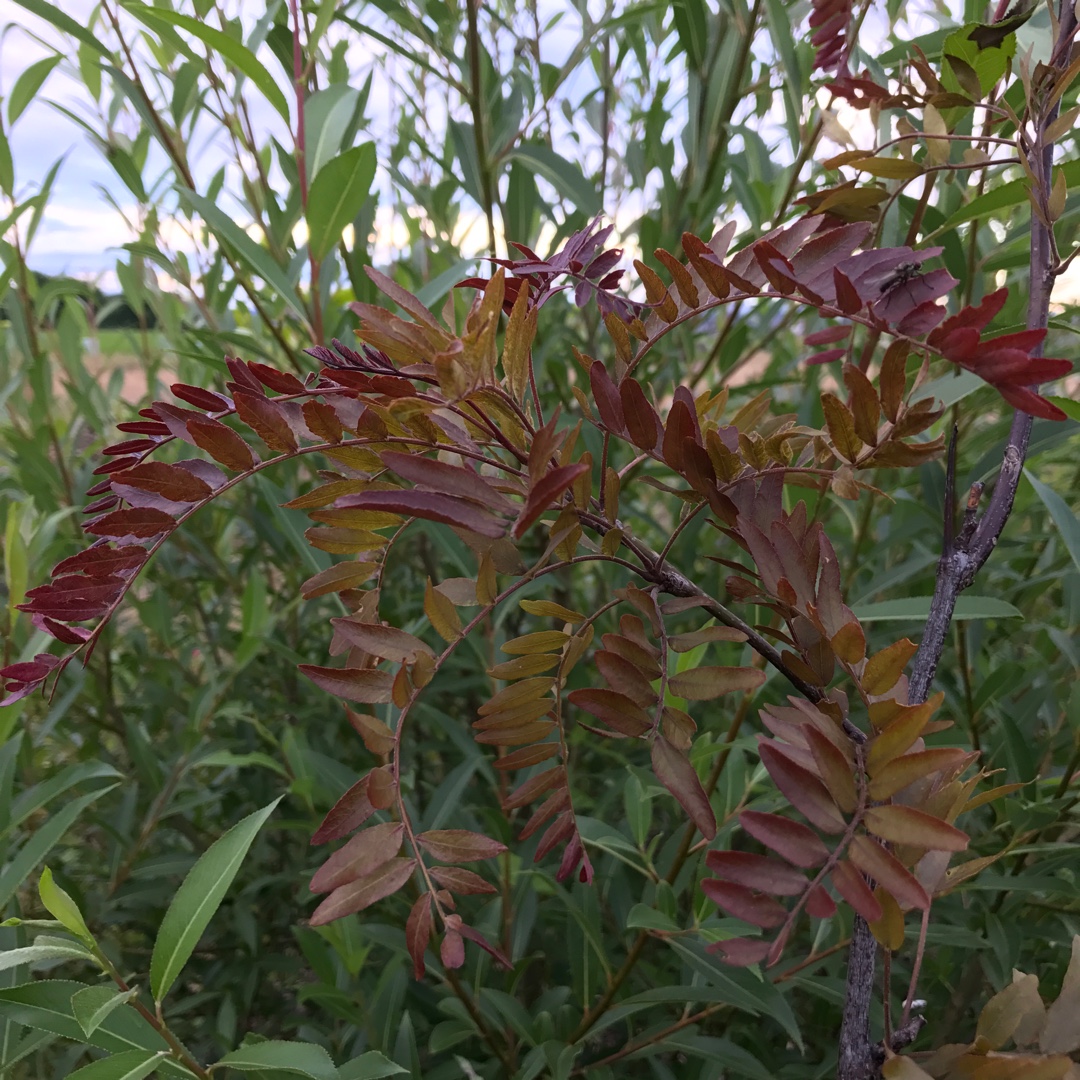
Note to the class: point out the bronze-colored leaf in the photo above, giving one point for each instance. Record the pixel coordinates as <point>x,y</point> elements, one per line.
<point>642,421</point>
<point>684,282</point>
<point>382,787</point>
<point>549,609</point>
<point>527,756</point>
<point>656,293</point>
<point>523,666</point>
<point>459,845</point>
<point>614,709</point>
<point>377,737</point>
<point>540,642</point>
<point>418,932</point>
<point>545,492</point>
<point>463,882</point>
<point>170,482</point>
<point>851,885</point>
<point>620,674</point>
<point>139,522</point>
<point>348,813</point>
<point>674,771</point>
<point>801,788</point>
<point>266,419</point>
<point>441,613</point>
<point>704,683</point>
<point>527,690</point>
<point>841,425</point>
<point>881,865</point>
<point>865,407</point>
<point>387,642</point>
<point>517,736</point>
<point>792,840</point>
<point>357,895</point>
<point>364,853</point>
<point>706,264</point>
<point>849,643</point>
<point>743,903</point>
<point>906,825</point>
<point>893,378</point>
<point>883,669</point>
<point>757,872</point>
<point>834,768</point>
<point>686,642</point>
<point>904,770</point>
<point>889,929</point>
<point>365,685</point>
<point>534,787</point>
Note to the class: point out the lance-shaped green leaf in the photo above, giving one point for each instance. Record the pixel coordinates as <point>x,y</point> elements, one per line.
<point>60,906</point>
<point>94,1004</point>
<point>370,1066</point>
<point>279,1056</point>
<point>198,898</point>
<point>129,1065</point>
<point>337,194</point>
<point>44,948</point>
<point>1067,522</point>
<point>65,23</point>
<point>256,257</point>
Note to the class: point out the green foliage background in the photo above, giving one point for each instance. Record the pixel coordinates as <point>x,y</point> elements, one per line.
<point>191,716</point>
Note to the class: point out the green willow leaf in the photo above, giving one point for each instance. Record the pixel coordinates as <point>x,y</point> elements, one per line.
<point>291,1058</point>
<point>257,257</point>
<point>198,898</point>
<point>565,176</point>
<point>57,949</point>
<point>93,1005</point>
<point>130,1065</point>
<point>64,23</point>
<point>336,196</point>
<point>242,58</point>
<point>28,84</point>
<point>917,608</point>
<point>1066,521</point>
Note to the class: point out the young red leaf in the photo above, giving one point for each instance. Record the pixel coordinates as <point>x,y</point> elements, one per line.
<point>283,382</point>
<point>464,882</point>
<point>555,803</point>
<point>751,907</point>
<point>534,786</point>
<point>418,933</point>
<point>222,444</point>
<point>455,480</point>
<point>558,831</point>
<point>906,825</point>
<point>387,642</point>
<point>526,756</point>
<point>905,770</point>
<point>348,813</point>
<point>819,904</point>
<point>382,787</point>
<point>322,420</point>
<point>365,685</point>
<point>363,854</point>
<point>877,863</point>
<point>452,950</point>
<point>704,683</point>
<point>741,952</point>
<point>883,669</point>
<point>851,885</point>
<point>266,419</point>
<point>801,788</point>
<point>674,771</point>
<point>792,840</point>
<point>607,398</point>
<point>141,523</point>
<point>357,895</point>
<point>169,481</point>
<point>459,845</point>
<point>544,492</point>
<point>478,939</point>
<point>614,709</point>
<point>429,505</point>
<point>629,679</point>
<point>757,872</point>
<point>642,422</point>
<point>337,578</point>
<point>200,398</point>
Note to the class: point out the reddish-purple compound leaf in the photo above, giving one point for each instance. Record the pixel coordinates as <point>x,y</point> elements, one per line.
<point>848,299</point>
<point>478,939</point>
<point>704,683</point>
<point>337,578</point>
<point>544,492</point>
<point>741,952</point>
<point>200,398</point>
<point>614,709</point>
<point>792,840</point>
<point>222,444</point>
<point>744,903</point>
<point>559,830</point>
<point>322,420</point>
<point>674,771</point>
<point>69,635</point>
<point>574,854</point>
<point>430,506</point>
<point>802,789</point>
<point>348,813</point>
<point>459,880</point>
<point>630,680</point>
<point>170,482</point>
<point>606,396</point>
<point>129,446</point>
<point>851,885</point>
<point>874,861</point>
<point>534,786</point>
<point>555,803</point>
<point>526,756</point>
<point>116,465</point>
<point>266,419</point>
<point>144,427</point>
<point>364,853</point>
<point>1028,401</point>
<point>452,950</point>
<point>101,504</point>
<point>418,933</point>
<point>103,561</point>
<point>757,872</point>
<point>365,685</point>
<point>140,522</point>
<point>358,895</point>
<point>239,371</point>
<point>30,671</point>
<point>819,904</point>
<point>454,480</point>
<point>642,422</point>
<point>281,382</point>
<point>906,825</point>
<point>459,845</point>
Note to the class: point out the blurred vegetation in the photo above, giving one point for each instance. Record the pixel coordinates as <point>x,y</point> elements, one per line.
<point>490,123</point>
